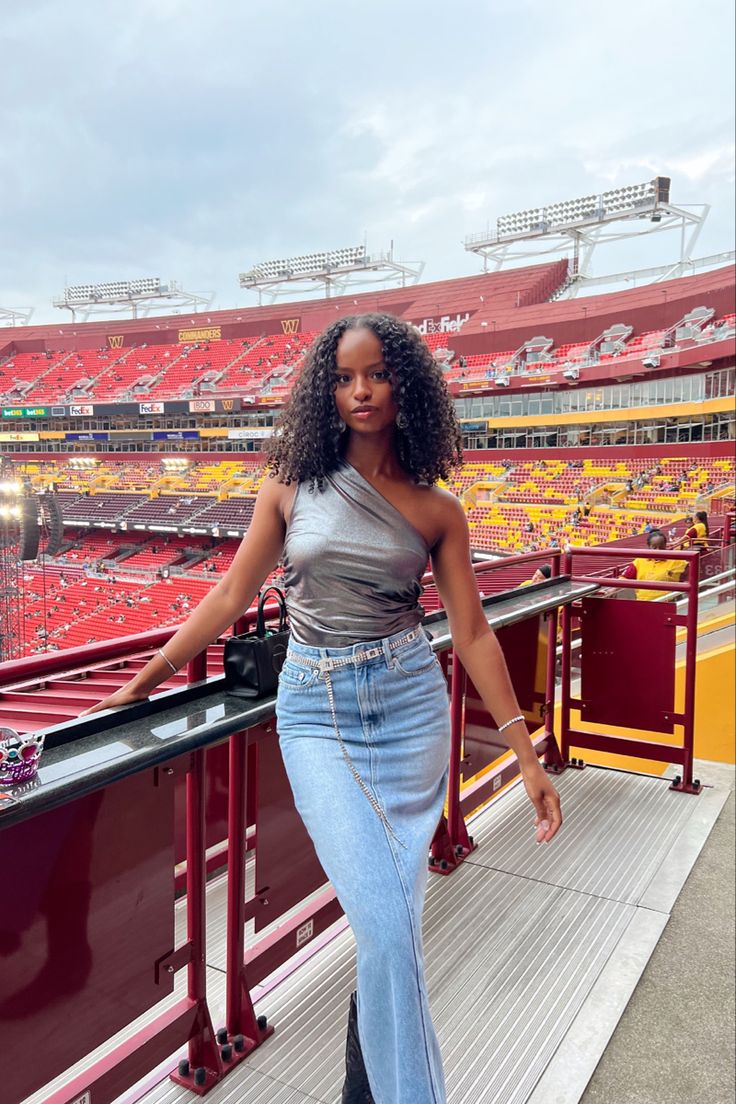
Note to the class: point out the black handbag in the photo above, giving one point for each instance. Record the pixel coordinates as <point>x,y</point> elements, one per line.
<point>253,661</point>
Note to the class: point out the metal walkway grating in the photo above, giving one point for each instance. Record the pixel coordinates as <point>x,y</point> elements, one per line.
<point>532,952</point>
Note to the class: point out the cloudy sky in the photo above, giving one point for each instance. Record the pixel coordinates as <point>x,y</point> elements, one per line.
<point>190,139</point>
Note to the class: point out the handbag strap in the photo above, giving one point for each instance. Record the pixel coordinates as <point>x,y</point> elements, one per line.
<point>260,617</point>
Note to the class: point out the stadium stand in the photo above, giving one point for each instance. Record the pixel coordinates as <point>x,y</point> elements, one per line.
<point>512,505</point>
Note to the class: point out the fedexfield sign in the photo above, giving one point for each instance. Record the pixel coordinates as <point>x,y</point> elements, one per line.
<point>444,324</point>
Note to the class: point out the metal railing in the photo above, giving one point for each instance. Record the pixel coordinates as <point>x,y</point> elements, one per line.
<point>251,749</point>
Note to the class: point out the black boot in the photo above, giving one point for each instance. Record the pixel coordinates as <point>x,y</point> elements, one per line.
<point>356,1089</point>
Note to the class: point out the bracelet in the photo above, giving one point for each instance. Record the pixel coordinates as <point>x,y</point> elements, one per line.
<point>508,724</point>
<point>166,659</point>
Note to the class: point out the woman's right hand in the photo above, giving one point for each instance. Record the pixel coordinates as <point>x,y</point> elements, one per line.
<point>126,695</point>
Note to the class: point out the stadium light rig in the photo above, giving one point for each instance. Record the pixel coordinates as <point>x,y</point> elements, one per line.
<point>11,493</point>
<point>329,271</point>
<point>142,298</point>
<point>18,317</point>
<point>581,224</point>
<point>635,199</point>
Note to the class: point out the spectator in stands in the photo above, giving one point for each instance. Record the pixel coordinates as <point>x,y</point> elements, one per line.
<point>699,532</point>
<point>352,505</point>
<point>543,572</point>
<point>642,568</point>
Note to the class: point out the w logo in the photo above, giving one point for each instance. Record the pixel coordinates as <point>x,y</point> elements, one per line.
<point>115,341</point>
<point>290,325</point>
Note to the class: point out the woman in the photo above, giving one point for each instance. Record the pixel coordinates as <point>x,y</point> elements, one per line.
<point>670,571</point>
<point>698,533</point>
<point>362,710</point>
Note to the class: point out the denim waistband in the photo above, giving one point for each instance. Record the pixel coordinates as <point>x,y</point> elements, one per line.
<point>352,655</point>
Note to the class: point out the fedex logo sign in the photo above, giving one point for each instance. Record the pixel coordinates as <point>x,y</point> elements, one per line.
<point>444,324</point>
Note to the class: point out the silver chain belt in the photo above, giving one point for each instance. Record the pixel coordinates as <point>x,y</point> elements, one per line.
<point>325,667</point>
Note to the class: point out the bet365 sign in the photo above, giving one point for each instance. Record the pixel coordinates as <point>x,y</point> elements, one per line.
<point>25,411</point>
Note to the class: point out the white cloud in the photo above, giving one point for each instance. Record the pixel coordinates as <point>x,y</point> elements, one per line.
<point>155,136</point>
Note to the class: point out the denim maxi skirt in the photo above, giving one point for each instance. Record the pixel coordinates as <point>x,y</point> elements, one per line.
<point>371,801</point>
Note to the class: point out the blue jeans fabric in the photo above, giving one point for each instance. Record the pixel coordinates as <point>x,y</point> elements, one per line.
<point>393,717</point>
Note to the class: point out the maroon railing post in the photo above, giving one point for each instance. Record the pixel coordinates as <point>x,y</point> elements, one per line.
<point>205,1065</point>
<point>243,1030</point>
<point>565,695</point>
<point>240,1018</point>
<point>457,703</point>
<point>691,661</point>
<point>552,756</point>
<point>236,828</point>
<point>451,843</point>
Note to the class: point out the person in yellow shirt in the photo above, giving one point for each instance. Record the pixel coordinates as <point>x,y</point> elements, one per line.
<point>699,532</point>
<point>670,571</point>
<point>543,572</point>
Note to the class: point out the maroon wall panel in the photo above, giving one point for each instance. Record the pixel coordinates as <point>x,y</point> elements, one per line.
<point>628,664</point>
<point>87,909</point>
<point>525,650</point>
<point>286,861</point>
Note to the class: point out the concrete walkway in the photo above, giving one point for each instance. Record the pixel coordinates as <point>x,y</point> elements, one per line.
<point>675,1042</point>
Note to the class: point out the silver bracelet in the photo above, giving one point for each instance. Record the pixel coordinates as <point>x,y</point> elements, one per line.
<point>166,659</point>
<point>508,724</point>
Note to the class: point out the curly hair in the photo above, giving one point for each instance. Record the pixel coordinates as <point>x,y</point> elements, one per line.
<point>309,444</point>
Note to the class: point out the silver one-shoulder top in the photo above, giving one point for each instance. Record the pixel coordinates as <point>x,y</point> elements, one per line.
<point>352,564</point>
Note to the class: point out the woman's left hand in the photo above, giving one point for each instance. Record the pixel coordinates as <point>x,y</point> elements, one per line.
<point>545,800</point>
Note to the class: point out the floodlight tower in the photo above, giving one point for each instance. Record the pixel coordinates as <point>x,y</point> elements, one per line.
<point>582,224</point>
<point>141,297</point>
<point>336,270</point>
<point>9,317</point>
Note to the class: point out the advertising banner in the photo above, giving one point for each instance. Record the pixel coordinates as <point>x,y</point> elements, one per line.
<point>175,434</point>
<point>446,323</point>
<point>81,410</point>
<point>204,333</point>
<point>25,411</point>
<point>253,434</point>
<point>150,408</point>
<point>202,406</point>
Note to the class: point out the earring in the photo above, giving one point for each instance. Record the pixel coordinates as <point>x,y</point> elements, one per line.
<point>341,427</point>
<point>401,420</point>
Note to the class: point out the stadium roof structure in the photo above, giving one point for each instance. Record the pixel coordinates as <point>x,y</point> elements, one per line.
<point>141,297</point>
<point>583,223</point>
<point>335,270</point>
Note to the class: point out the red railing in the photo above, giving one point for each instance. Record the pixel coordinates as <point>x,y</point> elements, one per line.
<point>631,691</point>
<point>253,762</point>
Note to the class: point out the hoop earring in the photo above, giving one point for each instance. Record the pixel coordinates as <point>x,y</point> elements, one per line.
<point>401,420</point>
<point>341,427</point>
